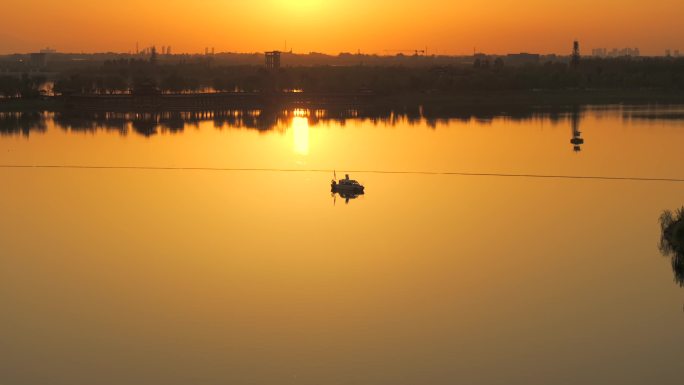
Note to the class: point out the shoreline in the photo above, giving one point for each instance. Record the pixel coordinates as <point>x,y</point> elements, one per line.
<point>550,99</point>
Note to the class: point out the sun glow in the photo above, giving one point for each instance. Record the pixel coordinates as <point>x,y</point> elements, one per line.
<point>334,26</point>
<point>301,7</point>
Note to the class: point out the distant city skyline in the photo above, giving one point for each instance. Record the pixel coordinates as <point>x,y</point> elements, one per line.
<point>168,50</point>
<point>334,26</point>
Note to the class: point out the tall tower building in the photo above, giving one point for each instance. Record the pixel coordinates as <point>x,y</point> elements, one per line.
<point>575,60</point>
<point>273,60</point>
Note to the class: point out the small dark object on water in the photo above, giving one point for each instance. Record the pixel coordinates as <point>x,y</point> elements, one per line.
<point>346,186</point>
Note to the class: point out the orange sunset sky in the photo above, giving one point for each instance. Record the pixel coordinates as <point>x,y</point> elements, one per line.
<point>332,26</point>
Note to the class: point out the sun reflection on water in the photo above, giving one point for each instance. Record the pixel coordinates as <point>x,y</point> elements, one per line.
<point>300,133</point>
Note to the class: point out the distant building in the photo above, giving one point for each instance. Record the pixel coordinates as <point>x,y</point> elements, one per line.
<point>668,53</point>
<point>38,59</point>
<point>480,60</point>
<point>273,60</point>
<point>599,52</point>
<point>552,58</point>
<point>575,58</point>
<point>520,59</point>
<point>615,52</point>
<point>153,55</point>
<point>676,53</point>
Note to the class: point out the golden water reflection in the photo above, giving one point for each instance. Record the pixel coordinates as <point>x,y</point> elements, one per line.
<point>195,276</point>
<point>300,134</point>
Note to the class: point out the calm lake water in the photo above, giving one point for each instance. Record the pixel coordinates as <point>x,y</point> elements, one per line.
<point>171,275</point>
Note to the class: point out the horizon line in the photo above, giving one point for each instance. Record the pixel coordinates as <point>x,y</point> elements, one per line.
<point>388,53</point>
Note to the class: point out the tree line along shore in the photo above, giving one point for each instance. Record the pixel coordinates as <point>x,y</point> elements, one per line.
<point>590,81</point>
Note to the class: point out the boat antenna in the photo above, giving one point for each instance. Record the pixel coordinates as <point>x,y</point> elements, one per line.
<point>334,174</point>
